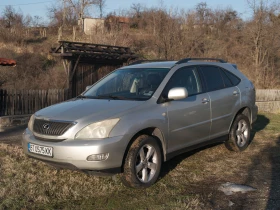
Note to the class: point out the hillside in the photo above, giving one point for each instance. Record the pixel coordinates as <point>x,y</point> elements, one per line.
<point>153,33</point>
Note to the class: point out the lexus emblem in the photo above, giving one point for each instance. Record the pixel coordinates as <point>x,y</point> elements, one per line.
<point>46,126</point>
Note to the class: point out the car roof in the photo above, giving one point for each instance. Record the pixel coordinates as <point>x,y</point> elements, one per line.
<point>170,64</point>
<point>161,64</point>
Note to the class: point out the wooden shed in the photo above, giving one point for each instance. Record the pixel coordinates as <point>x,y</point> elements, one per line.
<point>85,63</point>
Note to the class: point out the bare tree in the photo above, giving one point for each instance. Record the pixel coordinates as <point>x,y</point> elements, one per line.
<point>60,15</point>
<point>36,21</point>
<point>101,4</point>
<point>262,36</point>
<point>203,13</point>
<point>81,6</point>
<point>11,18</point>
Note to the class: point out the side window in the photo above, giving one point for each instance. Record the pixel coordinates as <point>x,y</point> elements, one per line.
<point>213,78</point>
<point>227,81</point>
<point>234,79</point>
<point>186,77</point>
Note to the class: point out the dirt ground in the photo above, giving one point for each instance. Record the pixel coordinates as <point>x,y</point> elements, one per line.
<point>189,181</point>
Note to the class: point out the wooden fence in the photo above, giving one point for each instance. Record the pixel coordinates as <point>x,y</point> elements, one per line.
<point>19,102</point>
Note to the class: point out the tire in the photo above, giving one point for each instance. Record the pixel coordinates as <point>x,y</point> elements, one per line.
<point>239,136</point>
<point>143,163</point>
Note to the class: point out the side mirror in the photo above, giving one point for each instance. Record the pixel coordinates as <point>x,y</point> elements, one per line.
<point>88,87</point>
<point>177,93</point>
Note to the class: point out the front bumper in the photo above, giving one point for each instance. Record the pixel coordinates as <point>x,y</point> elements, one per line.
<point>73,154</point>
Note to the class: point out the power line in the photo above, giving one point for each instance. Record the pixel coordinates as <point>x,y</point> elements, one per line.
<point>42,2</point>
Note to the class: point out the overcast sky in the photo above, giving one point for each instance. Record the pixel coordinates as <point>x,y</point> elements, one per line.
<point>38,7</point>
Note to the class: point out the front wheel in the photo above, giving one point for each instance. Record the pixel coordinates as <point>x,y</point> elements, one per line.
<point>143,163</point>
<point>239,136</point>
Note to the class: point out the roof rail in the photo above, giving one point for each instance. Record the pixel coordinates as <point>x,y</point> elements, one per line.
<point>144,61</point>
<point>186,60</point>
<point>234,65</point>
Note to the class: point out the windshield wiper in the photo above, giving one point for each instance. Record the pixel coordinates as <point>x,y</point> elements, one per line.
<point>111,97</point>
<point>81,96</point>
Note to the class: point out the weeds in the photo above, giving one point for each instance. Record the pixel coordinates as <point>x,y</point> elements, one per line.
<point>189,181</point>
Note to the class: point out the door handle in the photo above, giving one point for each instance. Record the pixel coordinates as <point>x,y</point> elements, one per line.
<point>235,93</point>
<point>205,101</point>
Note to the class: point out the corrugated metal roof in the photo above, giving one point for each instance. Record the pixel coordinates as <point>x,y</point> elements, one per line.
<point>94,53</point>
<point>7,62</point>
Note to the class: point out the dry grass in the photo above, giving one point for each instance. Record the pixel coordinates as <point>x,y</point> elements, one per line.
<point>189,181</point>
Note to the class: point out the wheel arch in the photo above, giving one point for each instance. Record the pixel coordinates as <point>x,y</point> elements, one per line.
<point>151,131</point>
<point>245,111</point>
<point>234,143</point>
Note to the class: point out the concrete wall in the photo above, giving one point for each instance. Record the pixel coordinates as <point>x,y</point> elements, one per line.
<point>268,100</point>
<point>270,106</point>
<point>91,25</point>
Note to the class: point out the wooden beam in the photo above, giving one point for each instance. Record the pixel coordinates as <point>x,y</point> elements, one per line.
<point>75,67</point>
<point>56,49</point>
<point>62,54</point>
<point>91,44</point>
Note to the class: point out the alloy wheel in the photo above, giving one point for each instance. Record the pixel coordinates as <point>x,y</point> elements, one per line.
<point>146,163</point>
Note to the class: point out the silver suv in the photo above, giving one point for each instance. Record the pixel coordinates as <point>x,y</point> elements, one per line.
<point>143,114</point>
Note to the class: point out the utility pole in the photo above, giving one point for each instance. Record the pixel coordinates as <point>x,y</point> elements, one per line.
<point>64,13</point>
<point>82,2</point>
<point>82,8</point>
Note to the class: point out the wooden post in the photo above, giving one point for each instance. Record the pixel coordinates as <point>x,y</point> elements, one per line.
<point>59,33</point>
<point>72,66</point>
<point>74,33</point>
<point>45,32</point>
<point>70,81</point>
<point>2,106</point>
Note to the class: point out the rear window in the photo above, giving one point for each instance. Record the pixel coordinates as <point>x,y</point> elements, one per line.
<point>234,79</point>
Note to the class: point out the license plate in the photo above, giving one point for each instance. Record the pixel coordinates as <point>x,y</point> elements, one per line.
<point>41,150</point>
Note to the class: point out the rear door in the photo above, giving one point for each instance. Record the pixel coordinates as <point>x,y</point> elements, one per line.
<point>189,119</point>
<point>224,97</point>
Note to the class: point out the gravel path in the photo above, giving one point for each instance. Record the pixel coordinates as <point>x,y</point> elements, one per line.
<point>12,135</point>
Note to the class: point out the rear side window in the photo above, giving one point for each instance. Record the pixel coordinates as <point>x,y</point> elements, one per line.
<point>227,81</point>
<point>212,77</point>
<point>234,79</point>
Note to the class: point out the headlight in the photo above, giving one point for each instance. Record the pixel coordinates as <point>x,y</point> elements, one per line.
<point>31,122</point>
<point>98,130</point>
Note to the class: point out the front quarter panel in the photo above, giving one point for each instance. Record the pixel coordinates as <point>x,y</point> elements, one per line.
<point>150,115</point>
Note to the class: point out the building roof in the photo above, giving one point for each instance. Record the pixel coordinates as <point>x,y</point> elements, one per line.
<point>7,62</point>
<point>93,53</point>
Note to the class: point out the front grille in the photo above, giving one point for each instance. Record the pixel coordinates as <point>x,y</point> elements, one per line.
<point>48,140</point>
<point>51,128</point>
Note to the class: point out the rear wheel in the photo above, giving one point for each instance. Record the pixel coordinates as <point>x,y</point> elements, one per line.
<point>239,136</point>
<point>143,163</point>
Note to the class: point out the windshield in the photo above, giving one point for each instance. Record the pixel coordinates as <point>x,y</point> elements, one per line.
<point>128,84</point>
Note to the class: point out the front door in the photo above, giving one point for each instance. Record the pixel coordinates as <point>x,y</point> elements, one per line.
<point>189,118</point>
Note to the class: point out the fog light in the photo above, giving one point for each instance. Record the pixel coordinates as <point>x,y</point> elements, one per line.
<point>98,157</point>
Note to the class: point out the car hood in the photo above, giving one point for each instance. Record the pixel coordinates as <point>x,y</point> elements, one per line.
<point>87,109</point>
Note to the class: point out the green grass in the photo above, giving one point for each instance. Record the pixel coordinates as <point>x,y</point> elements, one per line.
<point>189,181</point>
